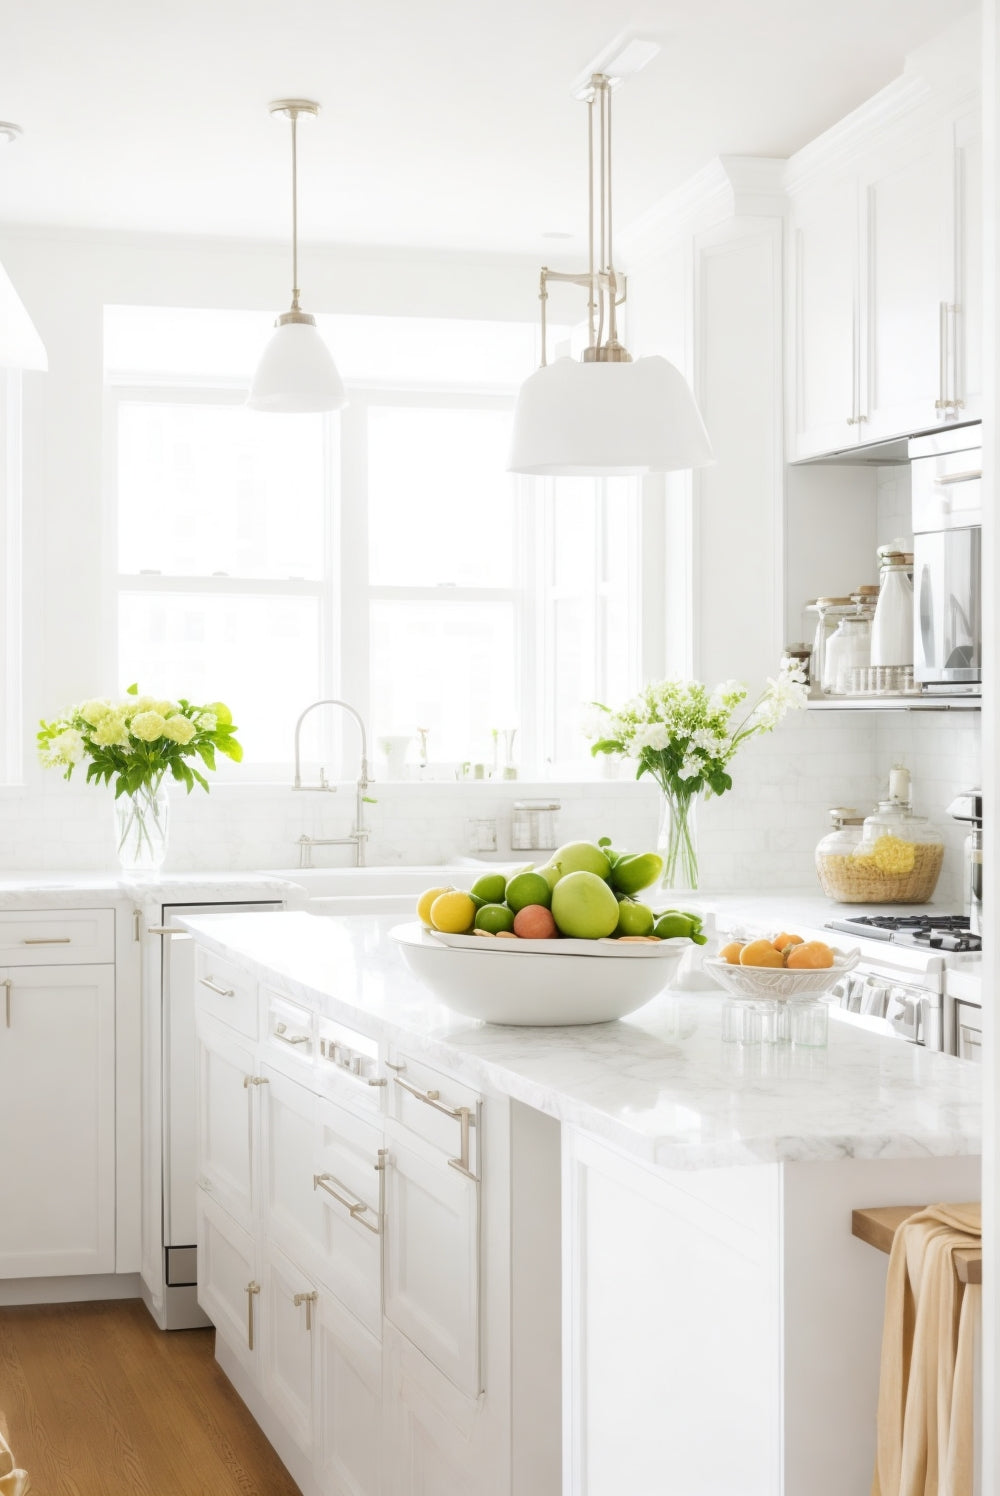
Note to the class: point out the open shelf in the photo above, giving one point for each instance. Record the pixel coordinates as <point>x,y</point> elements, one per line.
<point>895,704</point>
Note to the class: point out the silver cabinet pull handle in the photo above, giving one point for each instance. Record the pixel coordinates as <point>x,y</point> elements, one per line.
<point>8,987</point>
<point>281,1033</point>
<point>214,987</point>
<point>309,1300</point>
<point>355,1208</point>
<point>463,1115</point>
<point>167,930</point>
<point>966,477</point>
<point>251,1290</point>
<point>50,940</point>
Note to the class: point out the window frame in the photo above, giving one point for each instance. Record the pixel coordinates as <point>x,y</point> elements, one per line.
<point>11,578</point>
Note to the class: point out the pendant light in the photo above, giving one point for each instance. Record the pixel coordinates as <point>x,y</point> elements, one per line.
<point>607,415</point>
<point>296,373</point>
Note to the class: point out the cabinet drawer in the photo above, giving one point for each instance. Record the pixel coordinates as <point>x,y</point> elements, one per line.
<point>290,1031</point>
<point>349,1067</point>
<point>423,1100</point>
<point>226,991</point>
<point>57,937</point>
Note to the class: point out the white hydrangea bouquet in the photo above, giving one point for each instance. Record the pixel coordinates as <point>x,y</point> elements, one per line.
<point>136,742</point>
<point>685,736</point>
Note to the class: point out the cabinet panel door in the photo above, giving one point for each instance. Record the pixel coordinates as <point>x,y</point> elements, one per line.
<point>226,1119</point>
<point>288,1330</point>
<point>824,301</point>
<point>432,1260</point>
<point>228,1284</point>
<point>350,1200</point>
<point>967,335</point>
<point>348,1404</point>
<point>57,1120</point>
<point>292,1211</point>
<point>907,218</point>
<point>442,1443</point>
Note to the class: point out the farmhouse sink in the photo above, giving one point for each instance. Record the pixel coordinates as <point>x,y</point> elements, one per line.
<point>352,881</point>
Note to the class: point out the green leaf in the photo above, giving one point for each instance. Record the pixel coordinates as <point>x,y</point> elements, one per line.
<point>207,754</point>
<point>230,748</point>
<point>132,690</point>
<point>200,778</point>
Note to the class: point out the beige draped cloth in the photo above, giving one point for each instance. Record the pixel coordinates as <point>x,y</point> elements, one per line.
<point>12,1482</point>
<point>925,1406</point>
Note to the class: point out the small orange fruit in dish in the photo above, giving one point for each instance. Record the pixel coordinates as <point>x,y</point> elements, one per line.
<point>810,955</point>
<point>731,952</point>
<point>783,941</point>
<point>760,953</point>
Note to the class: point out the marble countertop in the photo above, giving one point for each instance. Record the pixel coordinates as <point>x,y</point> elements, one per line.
<point>660,1084</point>
<point>69,889</point>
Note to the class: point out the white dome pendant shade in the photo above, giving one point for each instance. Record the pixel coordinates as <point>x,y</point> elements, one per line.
<point>296,374</point>
<point>607,420</point>
<point>606,416</point>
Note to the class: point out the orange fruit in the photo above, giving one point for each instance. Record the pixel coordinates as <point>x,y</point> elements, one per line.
<point>810,955</point>
<point>731,952</point>
<point>783,941</point>
<point>760,953</point>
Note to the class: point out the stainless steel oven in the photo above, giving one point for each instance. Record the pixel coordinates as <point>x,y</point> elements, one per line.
<point>947,471</point>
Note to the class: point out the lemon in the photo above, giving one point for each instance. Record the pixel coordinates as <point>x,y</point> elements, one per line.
<point>426,900</point>
<point>453,912</point>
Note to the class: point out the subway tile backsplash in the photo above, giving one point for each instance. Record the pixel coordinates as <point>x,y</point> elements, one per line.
<point>761,835</point>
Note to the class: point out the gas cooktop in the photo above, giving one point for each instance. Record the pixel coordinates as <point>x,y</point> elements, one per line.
<point>939,932</point>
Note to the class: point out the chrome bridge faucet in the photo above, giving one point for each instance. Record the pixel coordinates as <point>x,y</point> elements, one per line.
<point>360,834</point>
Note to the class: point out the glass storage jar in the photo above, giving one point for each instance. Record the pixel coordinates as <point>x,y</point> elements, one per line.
<point>848,653</point>
<point>894,859</point>
<point>829,611</point>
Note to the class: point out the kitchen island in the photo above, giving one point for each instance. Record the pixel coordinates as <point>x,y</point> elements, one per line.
<point>593,1260</point>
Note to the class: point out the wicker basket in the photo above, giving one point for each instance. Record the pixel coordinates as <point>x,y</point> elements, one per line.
<point>853,880</point>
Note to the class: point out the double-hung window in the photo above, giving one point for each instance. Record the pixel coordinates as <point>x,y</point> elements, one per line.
<point>382,554</point>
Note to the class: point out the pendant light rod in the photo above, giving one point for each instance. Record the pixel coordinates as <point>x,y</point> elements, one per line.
<point>291,109</point>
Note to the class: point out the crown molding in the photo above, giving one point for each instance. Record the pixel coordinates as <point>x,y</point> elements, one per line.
<point>728,187</point>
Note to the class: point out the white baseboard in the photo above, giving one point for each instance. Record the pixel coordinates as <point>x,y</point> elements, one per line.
<point>75,1290</point>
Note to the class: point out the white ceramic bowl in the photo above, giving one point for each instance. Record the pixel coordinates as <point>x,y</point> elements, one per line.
<point>538,989</point>
<point>776,983</point>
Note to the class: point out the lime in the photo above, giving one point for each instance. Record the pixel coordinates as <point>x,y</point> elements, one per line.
<point>528,888</point>
<point>452,913</point>
<point>494,917</point>
<point>669,926</point>
<point>490,888</point>
<point>634,919</point>
<point>477,901</point>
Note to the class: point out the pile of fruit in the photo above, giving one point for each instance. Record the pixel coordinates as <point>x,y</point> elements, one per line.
<point>789,951</point>
<point>586,891</point>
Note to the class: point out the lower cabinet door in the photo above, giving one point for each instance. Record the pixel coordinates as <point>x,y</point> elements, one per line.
<point>432,1260</point>
<point>226,1119</point>
<point>442,1443</point>
<point>350,1440</point>
<point>288,1320</point>
<point>57,1120</point>
<point>350,1195</point>
<point>292,1210</point>
<point>228,1281</point>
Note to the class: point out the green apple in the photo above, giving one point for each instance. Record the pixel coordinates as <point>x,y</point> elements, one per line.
<point>634,919</point>
<point>582,857</point>
<point>584,906</point>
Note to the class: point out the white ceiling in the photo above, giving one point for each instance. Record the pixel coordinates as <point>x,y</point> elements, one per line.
<point>445,123</point>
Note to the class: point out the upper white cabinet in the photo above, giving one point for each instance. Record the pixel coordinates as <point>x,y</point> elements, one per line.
<point>885,289</point>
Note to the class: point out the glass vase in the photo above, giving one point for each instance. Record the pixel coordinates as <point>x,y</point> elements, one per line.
<point>677,843</point>
<point>141,821</point>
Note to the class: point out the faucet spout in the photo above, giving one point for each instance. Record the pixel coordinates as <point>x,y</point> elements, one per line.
<point>360,834</point>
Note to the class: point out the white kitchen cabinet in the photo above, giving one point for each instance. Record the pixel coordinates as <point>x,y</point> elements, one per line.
<point>228,1133</point>
<point>885,289</point>
<point>442,1443</point>
<point>57,1115</point>
<point>288,1305</point>
<point>824,310</point>
<point>432,1259</point>
<point>229,1282</point>
<point>349,1445</point>
<point>349,1190</point>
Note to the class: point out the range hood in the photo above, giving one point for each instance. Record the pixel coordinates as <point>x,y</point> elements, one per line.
<point>21,346</point>
<point>878,454</point>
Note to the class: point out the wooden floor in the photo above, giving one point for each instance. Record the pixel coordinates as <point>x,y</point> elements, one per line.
<point>99,1402</point>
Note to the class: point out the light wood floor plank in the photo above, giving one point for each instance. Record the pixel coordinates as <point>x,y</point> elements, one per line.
<point>99,1402</point>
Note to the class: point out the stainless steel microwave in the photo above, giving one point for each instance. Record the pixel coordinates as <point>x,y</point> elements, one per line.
<point>947,473</point>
